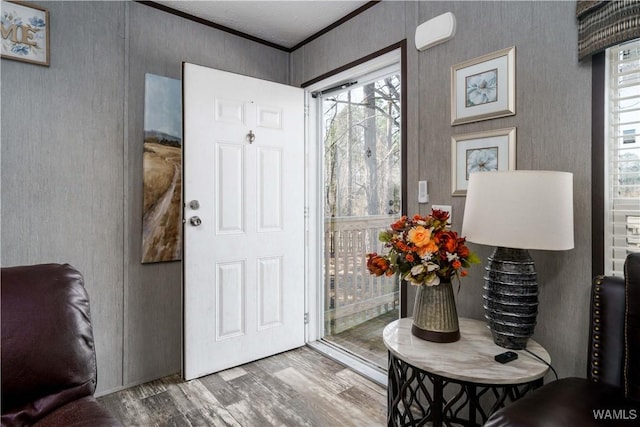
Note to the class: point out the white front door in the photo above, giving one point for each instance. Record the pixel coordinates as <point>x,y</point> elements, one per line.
<point>244,260</point>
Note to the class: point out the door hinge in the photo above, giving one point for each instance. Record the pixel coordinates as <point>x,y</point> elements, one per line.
<point>306,318</point>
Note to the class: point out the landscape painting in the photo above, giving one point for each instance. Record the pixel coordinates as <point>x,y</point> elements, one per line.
<point>162,170</point>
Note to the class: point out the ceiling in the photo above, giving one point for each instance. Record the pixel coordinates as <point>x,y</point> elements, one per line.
<point>285,23</point>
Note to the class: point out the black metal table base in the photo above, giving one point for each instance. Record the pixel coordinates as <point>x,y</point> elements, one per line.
<point>411,403</point>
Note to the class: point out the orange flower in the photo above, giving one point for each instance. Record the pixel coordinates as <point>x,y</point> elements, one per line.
<point>419,236</point>
<point>463,251</point>
<point>448,240</point>
<point>463,273</point>
<point>440,215</point>
<point>429,248</point>
<point>399,224</point>
<point>376,264</point>
<point>456,264</point>
<point>410,258</point>
<point>404,247</point>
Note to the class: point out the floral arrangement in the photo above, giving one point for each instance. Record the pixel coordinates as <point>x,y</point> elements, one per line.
<point>422,250</point>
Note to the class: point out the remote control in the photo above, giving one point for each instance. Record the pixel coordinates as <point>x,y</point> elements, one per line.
<point>506,357</point>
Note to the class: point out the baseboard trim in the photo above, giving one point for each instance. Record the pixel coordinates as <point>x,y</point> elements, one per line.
<point>103,393</point>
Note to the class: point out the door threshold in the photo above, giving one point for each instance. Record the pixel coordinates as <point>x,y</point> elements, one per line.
<point>351,361</point>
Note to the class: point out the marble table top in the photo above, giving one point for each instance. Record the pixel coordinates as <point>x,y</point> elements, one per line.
<point>470,359</point>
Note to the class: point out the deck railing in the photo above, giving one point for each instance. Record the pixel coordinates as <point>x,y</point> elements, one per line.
<point>352,295</point>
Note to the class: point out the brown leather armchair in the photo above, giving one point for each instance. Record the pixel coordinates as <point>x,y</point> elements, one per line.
<point>48,357</point>
<point>610,395</point>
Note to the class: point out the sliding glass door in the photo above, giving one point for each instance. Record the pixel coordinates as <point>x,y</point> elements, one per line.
<point>361,135</point>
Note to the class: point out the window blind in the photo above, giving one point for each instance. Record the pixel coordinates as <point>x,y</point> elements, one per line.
<point>622,155</point>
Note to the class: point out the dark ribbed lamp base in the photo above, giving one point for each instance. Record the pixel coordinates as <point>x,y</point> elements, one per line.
<point>511,297</point>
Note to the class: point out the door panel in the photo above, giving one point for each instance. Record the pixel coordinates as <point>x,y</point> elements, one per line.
<point>269,189</point>
<point>244,264</point>
<point>229,194</point>
<point>230,306</point>
<point>270,290</point>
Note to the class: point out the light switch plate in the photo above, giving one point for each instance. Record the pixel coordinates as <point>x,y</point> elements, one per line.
<point>423,192</point>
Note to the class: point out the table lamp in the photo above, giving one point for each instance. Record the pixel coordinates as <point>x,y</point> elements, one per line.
<point>516,211</point>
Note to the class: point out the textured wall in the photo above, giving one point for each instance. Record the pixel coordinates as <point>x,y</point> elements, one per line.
<point>62,169</point>
<point>72,167</point>
<point>553,100</point>
<point>71,163</point>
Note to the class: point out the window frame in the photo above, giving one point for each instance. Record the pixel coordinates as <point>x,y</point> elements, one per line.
<point>600,167</point>
<point>598,65</point>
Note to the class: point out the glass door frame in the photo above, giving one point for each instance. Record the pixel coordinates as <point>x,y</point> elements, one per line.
<point>314,178</point>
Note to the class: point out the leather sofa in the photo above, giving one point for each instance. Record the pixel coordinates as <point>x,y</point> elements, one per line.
<point>48,356</point>
<point>610,395</point>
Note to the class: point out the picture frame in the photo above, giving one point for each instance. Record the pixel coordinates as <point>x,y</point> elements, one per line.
<point>162,170</point>
<point>484,88</point>
<point>25,32</point>
<point>480,151</point>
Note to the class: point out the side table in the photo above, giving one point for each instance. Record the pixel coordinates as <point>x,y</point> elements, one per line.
<point>453,382</point>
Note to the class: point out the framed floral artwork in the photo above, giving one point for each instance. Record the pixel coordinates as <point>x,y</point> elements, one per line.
<point>484,88</point>
<point>481,152</point>
<point>25,32</point>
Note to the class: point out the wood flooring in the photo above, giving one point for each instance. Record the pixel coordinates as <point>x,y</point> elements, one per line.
<point>296,388</point>
<point>365,339</point>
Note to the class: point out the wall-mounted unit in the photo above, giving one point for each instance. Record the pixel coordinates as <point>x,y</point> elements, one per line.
<point>435,31</point>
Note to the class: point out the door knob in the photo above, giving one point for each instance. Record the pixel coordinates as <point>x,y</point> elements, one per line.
<point>195,221</point>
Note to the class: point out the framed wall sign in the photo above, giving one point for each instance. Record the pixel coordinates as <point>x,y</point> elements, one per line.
<point>479,152</point>
<point>25,32</point>
<point>484,88</point>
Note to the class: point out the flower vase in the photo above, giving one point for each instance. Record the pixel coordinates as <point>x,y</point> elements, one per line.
<point>434,314</point>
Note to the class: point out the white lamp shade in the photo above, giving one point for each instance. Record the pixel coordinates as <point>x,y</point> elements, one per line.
<point>520,209</point>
